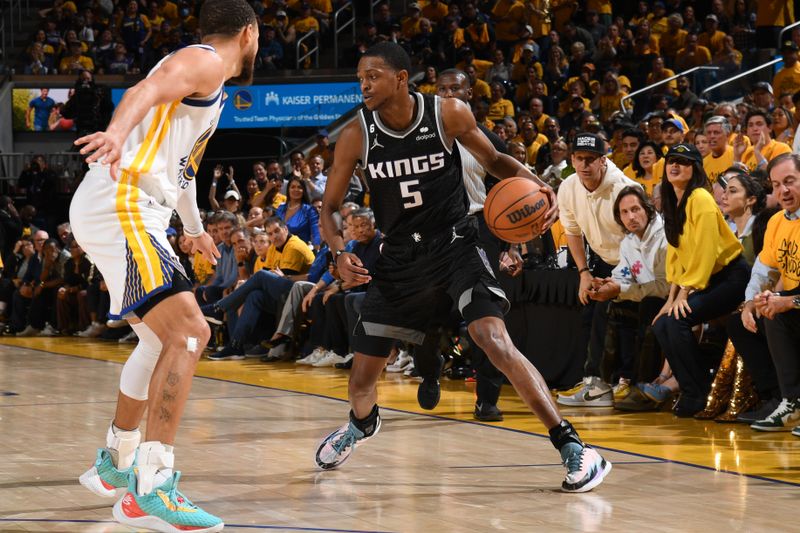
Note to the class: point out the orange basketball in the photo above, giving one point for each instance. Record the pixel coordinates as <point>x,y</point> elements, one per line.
<point>515,210</point>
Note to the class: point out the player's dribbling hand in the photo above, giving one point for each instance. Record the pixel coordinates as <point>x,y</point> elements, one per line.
<point>106,147</point>
<point>352,270</point>
<point>204,244</point>
<point>552,214</point>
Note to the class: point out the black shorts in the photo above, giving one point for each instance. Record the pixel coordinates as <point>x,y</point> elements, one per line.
<point>417,281</point>
<point>179,284</point>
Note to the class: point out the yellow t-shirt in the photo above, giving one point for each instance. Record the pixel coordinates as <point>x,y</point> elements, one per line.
<point>436,13</point>
<point>260,264</point>
<point>666,73</point>
<point>65,67</point>
<point>426,88</point>
<point>780,249</point>
<point>481,89</point>
<point>508,15</point>
<point>683,61</point>
<point>409,27</point>
<point>532,151</point>
<point>706,245</point>
<point>500,109</point>
<point>670,44</point>
<point>628,171</point>
<point>787,80</point>
<point>712,42</point>
<point>306,24</point>
<point>714,166</point>
<point>774,13</point>
<point>481,68</point>
<point>601,7</point>
<point>170,12</point>
<point>648,184</point>
<point>770,151</point>
<point>295,256</point>
<point>203,270</point>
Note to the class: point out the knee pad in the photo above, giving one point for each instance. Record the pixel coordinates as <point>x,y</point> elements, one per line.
<point>135,378</point>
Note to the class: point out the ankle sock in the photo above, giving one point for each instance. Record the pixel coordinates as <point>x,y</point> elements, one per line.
<point>563,434</point>
<point>368,424</point>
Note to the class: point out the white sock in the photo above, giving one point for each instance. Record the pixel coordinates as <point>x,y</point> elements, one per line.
<point>154,466</point>
<point>122,444</point>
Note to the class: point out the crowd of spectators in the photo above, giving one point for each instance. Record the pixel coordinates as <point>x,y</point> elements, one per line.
<point>679,213</point>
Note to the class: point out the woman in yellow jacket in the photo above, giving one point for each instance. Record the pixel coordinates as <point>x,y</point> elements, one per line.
<point>705,267</point>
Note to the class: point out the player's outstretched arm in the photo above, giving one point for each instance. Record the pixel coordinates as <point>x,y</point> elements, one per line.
<point>346,155</point>
<point>460,124</point>
<point>175,79</point>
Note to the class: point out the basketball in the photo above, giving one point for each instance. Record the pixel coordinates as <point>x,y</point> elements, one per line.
<point>515,210</point>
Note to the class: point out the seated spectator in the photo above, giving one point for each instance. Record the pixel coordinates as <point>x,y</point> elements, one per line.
<point>268,180</point>
<point>673,39</point>
<point>776,314</point>
<point>692,55</point>
<point>763,147</point>
<point>226,272</point>
<point>300,216</point>
<point>787,80</point>
<point>306,22</point>
<point>500,69</point>
<point>712,38</point>
<point>120,62</point>
<point>728,59</point>
<point>643,164</point>
<point>323,148</point>
<point>38,63</point>
<point>331,327</point>
<point>72,310</point>
<point>35,298</point>
<point>75,61</point>
<point>277,267</point>
<point>554,174</point>
<point>317,181</point>
<point>783,125</point>
<point>428,83</point>
<point>134,30</point>
<point>638,286</point>
<point>705,267</point>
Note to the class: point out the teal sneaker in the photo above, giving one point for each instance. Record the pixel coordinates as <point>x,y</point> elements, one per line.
<point>103,478</point>
<point>336,448</point>
<point>165,509</point>
<point>586,469</point>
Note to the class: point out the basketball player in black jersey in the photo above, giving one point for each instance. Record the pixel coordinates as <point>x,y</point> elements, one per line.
<point>404,142</point>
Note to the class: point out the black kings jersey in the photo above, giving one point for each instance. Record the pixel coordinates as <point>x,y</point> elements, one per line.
<point>414,176</point>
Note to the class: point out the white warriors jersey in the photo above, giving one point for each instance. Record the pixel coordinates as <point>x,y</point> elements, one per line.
<point>473,174</point>
<point>163,152</point>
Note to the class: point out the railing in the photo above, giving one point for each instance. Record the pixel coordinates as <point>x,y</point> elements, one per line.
<point>784,30</point>
<point>68,167</point>
<point>311,51</point>
<point>337,29</point>
<point>740,75</point>
<point>662,82</point>
<point>372,5</point>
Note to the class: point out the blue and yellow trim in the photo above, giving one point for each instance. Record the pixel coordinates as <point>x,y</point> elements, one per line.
<point>146,272</point>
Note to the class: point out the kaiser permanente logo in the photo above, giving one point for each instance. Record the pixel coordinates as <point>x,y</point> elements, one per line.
<point>273,98</point>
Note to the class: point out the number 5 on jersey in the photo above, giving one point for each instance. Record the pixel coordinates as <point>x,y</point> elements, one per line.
<point>415,197</point>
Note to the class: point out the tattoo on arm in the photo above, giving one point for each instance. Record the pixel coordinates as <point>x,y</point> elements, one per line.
<point>164,414</point>
<point>173,378</point>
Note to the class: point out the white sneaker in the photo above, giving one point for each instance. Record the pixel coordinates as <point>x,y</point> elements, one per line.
<point>29,331</point>
<point>409,369</point>
<point>330,359</point>
<point>585,468</point>
<point>111,323</point>
<point>49,331</point>
<point>130,337</point>
<point>313,357</point>
<point>94,329</point>
<point>402,361</point>
<point>594,393</point>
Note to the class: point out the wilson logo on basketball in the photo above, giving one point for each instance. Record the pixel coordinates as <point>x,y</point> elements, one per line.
<point>524,212</point>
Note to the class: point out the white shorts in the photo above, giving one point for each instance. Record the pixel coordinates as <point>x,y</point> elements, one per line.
<point>123,231</point>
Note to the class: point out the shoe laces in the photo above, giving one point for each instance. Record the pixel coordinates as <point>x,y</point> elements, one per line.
<point>786,407</point>
<point>347,439</point>
<point>177,496</point>
<point>574,461</point>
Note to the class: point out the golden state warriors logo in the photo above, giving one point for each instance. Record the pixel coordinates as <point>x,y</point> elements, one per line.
<point>192,163</point>
<point>242,100</point>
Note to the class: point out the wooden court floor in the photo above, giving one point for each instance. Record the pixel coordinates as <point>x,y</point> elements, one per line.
<point>250,430</point>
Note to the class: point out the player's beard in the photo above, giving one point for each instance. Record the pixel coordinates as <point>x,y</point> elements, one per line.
<point>245,77</point>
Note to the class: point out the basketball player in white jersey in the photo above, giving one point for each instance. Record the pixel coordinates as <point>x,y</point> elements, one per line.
<point>140,170</point>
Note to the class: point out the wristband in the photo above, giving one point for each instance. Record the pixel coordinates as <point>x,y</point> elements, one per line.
<point>584,269</point>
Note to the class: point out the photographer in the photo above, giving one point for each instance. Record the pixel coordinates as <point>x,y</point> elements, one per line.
<point>91,106</point>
